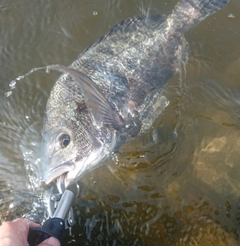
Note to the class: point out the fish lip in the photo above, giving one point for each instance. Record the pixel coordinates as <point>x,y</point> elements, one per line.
<point>58,171</point>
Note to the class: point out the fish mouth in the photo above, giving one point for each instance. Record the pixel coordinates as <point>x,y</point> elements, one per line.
<point>58,171</point>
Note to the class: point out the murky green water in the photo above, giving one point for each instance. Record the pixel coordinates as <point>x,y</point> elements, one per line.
<point>178,184</point>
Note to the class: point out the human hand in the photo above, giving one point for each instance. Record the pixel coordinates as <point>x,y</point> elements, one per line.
<point>15,233</point>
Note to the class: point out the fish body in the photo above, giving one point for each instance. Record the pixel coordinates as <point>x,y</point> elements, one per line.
<point>112,91</point>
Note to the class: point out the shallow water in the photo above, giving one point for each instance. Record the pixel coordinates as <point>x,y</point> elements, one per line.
<point>178,184</point>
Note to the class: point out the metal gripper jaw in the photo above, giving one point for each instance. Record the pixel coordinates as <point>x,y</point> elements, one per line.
<point>61,216</point>
<point>59,202</point>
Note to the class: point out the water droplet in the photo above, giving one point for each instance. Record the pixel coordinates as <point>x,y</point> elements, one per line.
<point>8,93</point>
<point>95,12</point>
<point>37,161</point>
<point>11,206</point>
<point>53,198</point>
<point>20,77</point>
<point>47,70</point>
<point>231,15</point>
<point>12,83</point>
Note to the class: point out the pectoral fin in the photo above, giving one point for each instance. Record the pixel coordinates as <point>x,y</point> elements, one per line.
<point>99,107</point>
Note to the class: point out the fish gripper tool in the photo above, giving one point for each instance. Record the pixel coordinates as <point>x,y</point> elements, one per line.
<point>61,219</point>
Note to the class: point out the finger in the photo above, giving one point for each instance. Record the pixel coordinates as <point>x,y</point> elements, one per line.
<point>50,242</point>
<point>14,232</point>
<point>26,223</point>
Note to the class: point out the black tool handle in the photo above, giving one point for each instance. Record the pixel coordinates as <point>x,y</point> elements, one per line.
<point>53,227</point>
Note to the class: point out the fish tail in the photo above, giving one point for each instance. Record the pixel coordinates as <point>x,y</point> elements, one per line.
<point>207,7</point>
<point>188,13</point>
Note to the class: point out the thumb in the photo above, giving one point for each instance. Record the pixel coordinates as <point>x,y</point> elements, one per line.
<point>52,241</point>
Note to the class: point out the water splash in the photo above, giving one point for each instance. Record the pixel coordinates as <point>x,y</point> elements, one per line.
<point>48,69</point>
<point>14,82</point>
<point>231,16</point>
<point>8,93</point>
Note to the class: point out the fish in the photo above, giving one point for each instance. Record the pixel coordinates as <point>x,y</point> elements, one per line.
<point>112,92</point>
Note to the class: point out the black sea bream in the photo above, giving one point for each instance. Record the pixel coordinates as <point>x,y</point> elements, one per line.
<point>112,92</point>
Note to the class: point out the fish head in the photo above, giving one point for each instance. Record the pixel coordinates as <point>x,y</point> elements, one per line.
<point>75,139</point>
<point>68,149</point>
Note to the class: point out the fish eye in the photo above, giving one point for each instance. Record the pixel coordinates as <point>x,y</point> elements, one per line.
<point>64,140</point>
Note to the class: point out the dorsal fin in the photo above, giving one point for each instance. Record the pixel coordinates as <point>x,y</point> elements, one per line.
<point>130,25</point>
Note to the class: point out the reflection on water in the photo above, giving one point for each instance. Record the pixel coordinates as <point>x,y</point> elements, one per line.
<point>178,184</point>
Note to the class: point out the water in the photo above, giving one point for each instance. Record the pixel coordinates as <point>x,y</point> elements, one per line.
<point>178,184</point>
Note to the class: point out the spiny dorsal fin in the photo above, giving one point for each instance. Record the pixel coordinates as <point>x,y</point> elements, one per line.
<point>130,25</point>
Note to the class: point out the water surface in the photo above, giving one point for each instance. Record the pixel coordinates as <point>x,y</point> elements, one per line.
<point>178,184</point>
